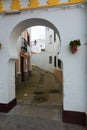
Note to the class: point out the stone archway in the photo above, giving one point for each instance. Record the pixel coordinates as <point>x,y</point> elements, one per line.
<point>15,33</point>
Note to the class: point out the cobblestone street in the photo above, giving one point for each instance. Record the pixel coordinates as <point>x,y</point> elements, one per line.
<point>41,89</point>
<point>41,94</point>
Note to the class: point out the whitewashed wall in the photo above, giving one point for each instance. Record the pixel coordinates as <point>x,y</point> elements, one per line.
<point>74,65</point>
<point>70,22</point>
<point>51,45</point>
<point>51,49</point>
<point>42,60</point>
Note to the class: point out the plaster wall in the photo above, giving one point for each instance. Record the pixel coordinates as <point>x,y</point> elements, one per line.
<point>52,45</point>
<point>42,60</point>
<point>70,24</point>
<point>52,48</point>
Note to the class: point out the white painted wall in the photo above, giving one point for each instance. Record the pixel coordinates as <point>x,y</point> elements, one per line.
<point>42,60</point>
<point>74,66</point>
<point>51,49</point>
<point>74,79</point>
<point>51,45</point>
<point>40,44</point>
<point>70,23</point>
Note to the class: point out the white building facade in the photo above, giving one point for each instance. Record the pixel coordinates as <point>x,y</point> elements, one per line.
<point>69,22</point>
<point>46,58</point>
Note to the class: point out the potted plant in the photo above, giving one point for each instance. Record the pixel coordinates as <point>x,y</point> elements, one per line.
<point>74,45</point>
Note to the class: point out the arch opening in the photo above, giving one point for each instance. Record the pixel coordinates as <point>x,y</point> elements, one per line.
<point>20,27</point>
<point>16,32</point>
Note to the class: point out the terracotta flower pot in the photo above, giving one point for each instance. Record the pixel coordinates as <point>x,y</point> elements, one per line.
<point>74,45</point>
<point>74,49</point>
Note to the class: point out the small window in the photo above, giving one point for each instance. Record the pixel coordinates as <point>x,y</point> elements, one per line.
<point>50,39</point>
<point>54,37</point>
<point>28,38</point>
<point>59,63</point>
<point>50,59</point>
<point>55,61</point>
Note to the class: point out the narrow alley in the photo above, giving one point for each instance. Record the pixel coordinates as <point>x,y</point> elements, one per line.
<point>41,95</point>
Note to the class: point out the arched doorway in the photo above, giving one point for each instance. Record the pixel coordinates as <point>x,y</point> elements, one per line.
<point>26,24</point>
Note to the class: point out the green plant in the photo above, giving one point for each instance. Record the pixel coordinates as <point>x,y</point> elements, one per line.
<point>74,44</point>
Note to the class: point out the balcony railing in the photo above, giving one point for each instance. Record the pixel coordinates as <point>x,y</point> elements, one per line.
<point>32,4</point>
<point>24,45</point>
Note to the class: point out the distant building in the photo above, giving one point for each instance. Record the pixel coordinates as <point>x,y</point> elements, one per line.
<point>23,64</point>
<point>37,46</point>
<point>48,58</point>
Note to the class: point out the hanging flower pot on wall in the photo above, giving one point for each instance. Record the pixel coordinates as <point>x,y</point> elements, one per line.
<point>74,45</point>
